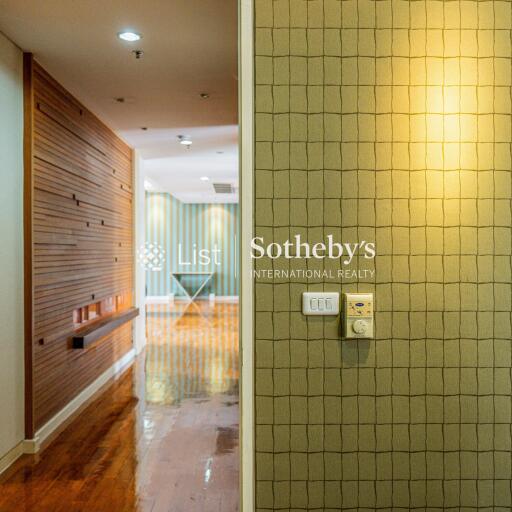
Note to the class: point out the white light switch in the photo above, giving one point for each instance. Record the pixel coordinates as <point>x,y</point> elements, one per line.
<point>358,315</point>
<point>320,303</point>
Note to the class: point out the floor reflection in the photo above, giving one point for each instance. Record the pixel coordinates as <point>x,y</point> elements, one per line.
<point>192,351</point>
<point>191,376</point>
<point>164,437</point>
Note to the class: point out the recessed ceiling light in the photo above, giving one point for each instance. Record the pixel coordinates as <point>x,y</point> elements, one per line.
<point>204,178</point>
<point>144,128</point>
<point>204,95</point>
<point>186,141</point>
<point>129,36</point>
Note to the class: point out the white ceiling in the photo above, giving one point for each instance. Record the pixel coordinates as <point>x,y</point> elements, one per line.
<point>190,47</point>
<point>179,169</point>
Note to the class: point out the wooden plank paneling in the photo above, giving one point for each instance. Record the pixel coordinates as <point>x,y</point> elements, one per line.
<point>78,210</point>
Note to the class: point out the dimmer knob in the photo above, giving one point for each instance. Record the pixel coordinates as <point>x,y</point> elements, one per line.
<point>360,327</point>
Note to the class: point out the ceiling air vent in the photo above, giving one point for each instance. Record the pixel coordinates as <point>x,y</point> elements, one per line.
<point>223,188</point>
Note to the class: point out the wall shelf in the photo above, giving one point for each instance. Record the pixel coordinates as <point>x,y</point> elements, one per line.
<point>88,335</point>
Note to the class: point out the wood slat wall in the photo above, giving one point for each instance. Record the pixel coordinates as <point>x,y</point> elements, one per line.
<point>80,235</point>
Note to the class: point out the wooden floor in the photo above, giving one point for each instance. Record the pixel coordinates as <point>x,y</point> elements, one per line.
<point>164,437</point>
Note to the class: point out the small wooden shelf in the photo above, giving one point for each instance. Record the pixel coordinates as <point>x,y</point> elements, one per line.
<point>87,335</point>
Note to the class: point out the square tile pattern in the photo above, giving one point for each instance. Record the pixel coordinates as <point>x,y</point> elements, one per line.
<point>386,121</point>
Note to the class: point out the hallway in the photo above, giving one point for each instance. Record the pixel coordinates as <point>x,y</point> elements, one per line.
<point>164,437</point>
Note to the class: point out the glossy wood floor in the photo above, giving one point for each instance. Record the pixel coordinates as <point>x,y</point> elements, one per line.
<point>164,437</point>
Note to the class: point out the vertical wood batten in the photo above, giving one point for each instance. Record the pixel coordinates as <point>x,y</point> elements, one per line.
<point>28,151</point>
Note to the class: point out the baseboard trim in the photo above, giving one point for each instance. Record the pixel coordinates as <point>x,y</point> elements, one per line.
<point>46,431</point>
<point>11,456</point>
<point>164,299</point>
<point>157,299</point>
<point>31,446</point>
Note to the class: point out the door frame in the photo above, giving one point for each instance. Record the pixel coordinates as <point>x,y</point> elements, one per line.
<point>246,180</point>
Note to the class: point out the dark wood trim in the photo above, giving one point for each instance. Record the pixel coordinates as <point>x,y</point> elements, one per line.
<point>92,333</point>
<point>28,152</point>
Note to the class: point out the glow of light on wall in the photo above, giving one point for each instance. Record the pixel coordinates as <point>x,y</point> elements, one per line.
<point>216,220</point>
<point>445,97</point>
<point>156,213</point>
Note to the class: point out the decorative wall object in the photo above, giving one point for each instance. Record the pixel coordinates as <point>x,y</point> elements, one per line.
<point>151,256</point>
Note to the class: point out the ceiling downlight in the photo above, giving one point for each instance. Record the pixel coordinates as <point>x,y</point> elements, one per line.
<point>129,36</point>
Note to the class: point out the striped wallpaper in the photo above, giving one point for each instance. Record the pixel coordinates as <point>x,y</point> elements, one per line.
<point>183,230</point>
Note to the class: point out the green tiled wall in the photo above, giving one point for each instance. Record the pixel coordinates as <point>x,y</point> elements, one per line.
<point>386,121</point>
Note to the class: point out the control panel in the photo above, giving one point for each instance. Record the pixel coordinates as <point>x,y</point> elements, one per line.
<point>358,315</point>
<point>320,303</point>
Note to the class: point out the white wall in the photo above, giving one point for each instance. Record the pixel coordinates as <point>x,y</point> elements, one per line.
<point>11,247</point>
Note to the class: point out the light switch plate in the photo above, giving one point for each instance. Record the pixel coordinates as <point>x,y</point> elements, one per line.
<point>321,303</point>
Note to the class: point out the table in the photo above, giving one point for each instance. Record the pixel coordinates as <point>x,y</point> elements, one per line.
<point>192,295</point>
